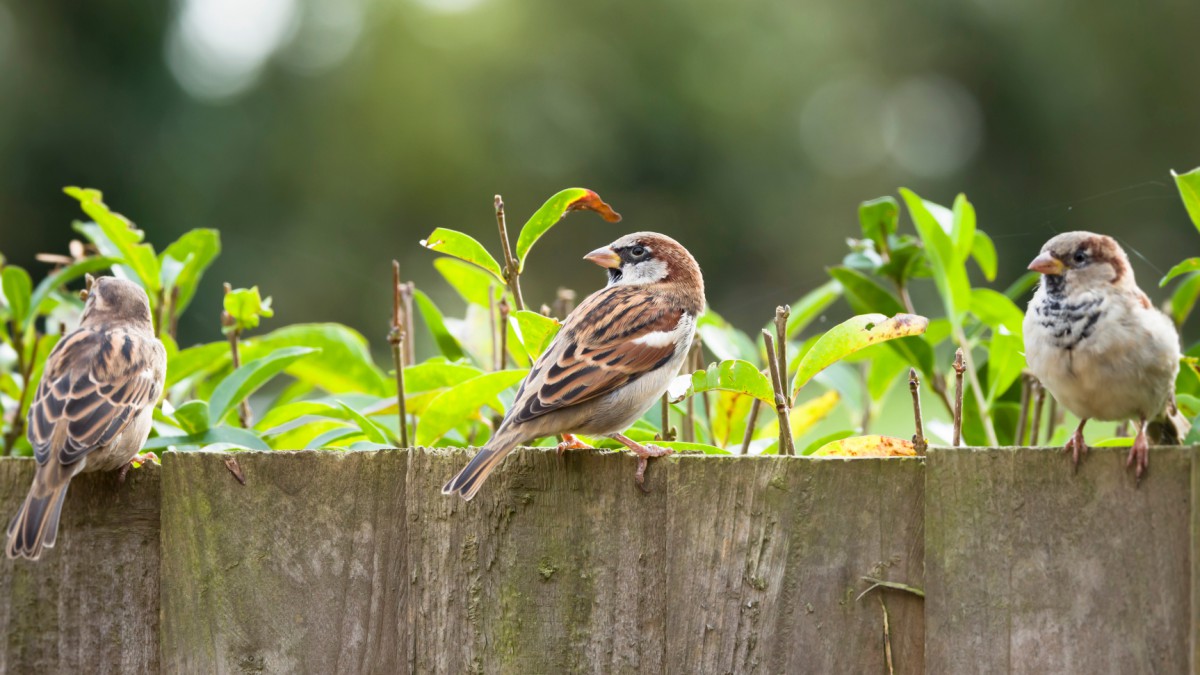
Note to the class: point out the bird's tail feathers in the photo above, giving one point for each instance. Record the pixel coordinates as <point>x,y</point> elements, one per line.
<point>35,527</point>
<point>1171,428</point>
<point>471,478</point>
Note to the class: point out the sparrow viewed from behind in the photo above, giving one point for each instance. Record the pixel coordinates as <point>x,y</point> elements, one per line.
<point>93,407</point>
<point>1096,342</point>
<point>615,356</point>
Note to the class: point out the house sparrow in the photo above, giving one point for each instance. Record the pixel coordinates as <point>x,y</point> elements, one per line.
<point>94,405</point>
<point>614,357</point>
<point>1095,341</point>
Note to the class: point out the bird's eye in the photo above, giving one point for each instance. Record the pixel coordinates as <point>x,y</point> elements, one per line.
<point>637,251</point>
<point>1080,257</point>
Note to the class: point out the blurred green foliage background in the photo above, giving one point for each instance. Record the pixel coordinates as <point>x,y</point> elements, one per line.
<point>325,137</point>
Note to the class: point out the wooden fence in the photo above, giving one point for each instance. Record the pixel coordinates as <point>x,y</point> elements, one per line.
<point>329,562</point>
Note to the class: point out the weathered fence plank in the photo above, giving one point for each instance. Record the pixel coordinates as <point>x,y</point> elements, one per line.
<point>90,604</point>
<point>1031,569</point>
<point>355,562</point>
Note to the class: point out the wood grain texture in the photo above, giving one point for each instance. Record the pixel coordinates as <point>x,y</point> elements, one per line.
<point>354,562</point>
<point>1031,569</point>
<point>90,604</point>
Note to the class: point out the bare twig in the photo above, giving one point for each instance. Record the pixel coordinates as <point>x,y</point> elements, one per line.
<point>1122,430</point>
<point>667,434</point>
<point>564,302</point>
<point>173,318</point>
<point>786,443</point>
<point>893,585</point>
<point>1023,416</point>
<point>1052,419</point>
<point>511,274</point>
<point>751,422</point>
<point>492,325</point>
<point>1039,399</point>
<point>866,396</point>
<point>231,463</point>
<point>887,638</point>
<point>244,414</point>
<point>914,386</point>
<point>407,291</point>
<point>781,318</point>
<point>689,416</point>
<point>958,397</point>
<point>160,300</point>
<point>502,355</point>
<point>985,417</point>
<point>396,337</point>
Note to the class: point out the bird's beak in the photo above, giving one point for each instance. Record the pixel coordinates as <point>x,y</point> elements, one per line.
<point>605,257</point>
<point>1046,264</point>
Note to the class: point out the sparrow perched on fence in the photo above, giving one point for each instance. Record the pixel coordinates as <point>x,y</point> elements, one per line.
<point>1095,341</point>
<point>94,405</point>
<point>614,357</point>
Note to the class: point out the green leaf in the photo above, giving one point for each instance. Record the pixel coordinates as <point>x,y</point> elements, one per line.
<point>247,379</point>
<point>328,438</point>
<point>18,289</point>
<point>734,375</point>
<point>865,296</point>
<point>984,253</point>
<point>725,341</point>
<point>193,252</point>
<point>555,208</point>
<point>471,282</point>
<point>197,359</point>
<point>886,370</point>
<point>462,402</point>
<point>1184,298</point>
<point>683,446</point>
<point>63,277</point>
<point>437,326</point>
<point>372,430</point>
<point>535,331</point>
<point>1004,365</point>
<point>343,365</point>
<point>963,229</point>
<point>879,219</point>
<point>290,412</point>
<point>1186,267</point>
<point>245,307</point>
<point>222,434</point>
<point>729,415</point>
<point>852,335</point>
<point>949,274</point>
<point>994,309</point>
<point>463,247</point>
<point>192,417</point>
<point>809,307</point>
<point>115,236</point>
<point>1189,189</point>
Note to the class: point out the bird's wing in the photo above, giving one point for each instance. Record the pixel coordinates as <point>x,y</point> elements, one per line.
<point>95,383</point>
<point>612,338</point>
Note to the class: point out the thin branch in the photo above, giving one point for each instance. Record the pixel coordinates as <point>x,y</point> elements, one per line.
<point>511,274</point>
<point>502,357</point>
<point>396,337</point>
<point>985,416</point>
<point>1052,419</point>
<point>914,386</point>
<point>689,410</point>
<point>410,344</point>
<point>173,320</point>
<point>751,422</point>
<point>887,638</point>
<point>666,434</point>
<point>564,302</point>
<point>1023,416</point>
<point>1039,400</point>
<point>244,414</point>
<point>492,324</point>
<point>958,397</point>
<point>786,443</point>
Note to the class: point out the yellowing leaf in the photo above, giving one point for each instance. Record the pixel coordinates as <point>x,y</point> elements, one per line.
<point>867,446</point>
<point>804,416</point>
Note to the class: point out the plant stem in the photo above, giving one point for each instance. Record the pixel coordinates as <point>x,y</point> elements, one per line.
<point>750,424</point>
<point>1039,400</point>
<point>172,318</point>
<point>786,444</point>
<point>956,440</point>
<point>502,356</point>
<point>564,302</point>
<point>161,318</point>
<point>1023,417</point>
<point>689,417</point>
<point>244,413</point>
<point>410,344</point>
<point>665,434</point>
<point>985,415</point>
<point>511,275</point>
<point>25,368</point>
<point>914,386</point>
<point>396,338</point>
<point>492,326</point>
<point>1052,420</point>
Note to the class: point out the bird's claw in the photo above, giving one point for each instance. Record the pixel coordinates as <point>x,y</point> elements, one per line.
<point>571,442</point>
<point>1077,447</point>
<point>1139,457</point>
<point>644,453</point>
<point>141,459</point>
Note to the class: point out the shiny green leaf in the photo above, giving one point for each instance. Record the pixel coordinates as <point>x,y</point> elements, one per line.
<point>245,307</point>
<point>879,219</point>
<point>222,434</point>
<point>1186,267</point>
<point>535,331</point>
<point>246,380</point>
<point>734,375</point>
<point>984,253</point>
<point>343,365</point>
<point>192,417</point>
<point>994,309</point>
<point>193,253</point>
<point>462,402</point>
<point>1184,298</point>
<point>852,335</point>
<point>949,274</point>
<point>471,282</point>
<point>115,236</point>
<point>555,208</point>
<point>436,324</point>
<point>18,290</point>
<point>962,231</point>
<point>1004,365</point>
<point>1189,189</point>
<point>463,247</point>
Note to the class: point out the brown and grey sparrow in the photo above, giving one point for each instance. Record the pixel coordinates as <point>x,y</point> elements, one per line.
<point>94,405</point>
<point>615,356</point>
<point>1097,343</point>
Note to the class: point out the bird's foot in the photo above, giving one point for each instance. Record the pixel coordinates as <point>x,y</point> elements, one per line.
<point>141,459</point>
<point>1139,455</point>
<point>644,453</point>
<point>572,442</point>
<point>1077,447</point>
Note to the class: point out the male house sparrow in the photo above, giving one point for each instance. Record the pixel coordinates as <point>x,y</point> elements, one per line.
<point>614,357</point>
<point>93,408</point>
<point>1095,341</point>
